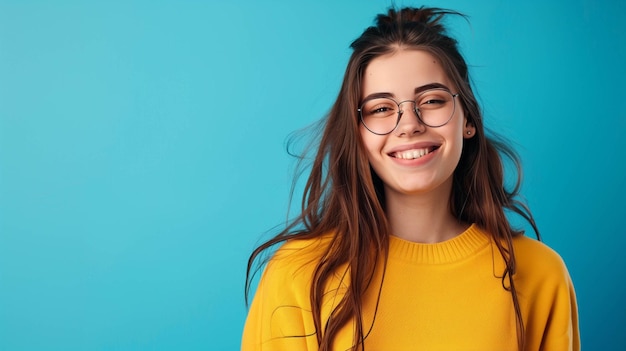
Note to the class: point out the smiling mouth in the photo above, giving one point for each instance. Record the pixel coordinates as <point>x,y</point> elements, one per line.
<point>414,153</point>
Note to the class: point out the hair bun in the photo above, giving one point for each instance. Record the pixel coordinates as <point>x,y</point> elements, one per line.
<point>428,17</point>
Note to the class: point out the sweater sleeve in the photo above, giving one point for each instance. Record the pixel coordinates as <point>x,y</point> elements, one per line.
<point>561,332</point>
<point>279,317</point>
<point>547,292</point>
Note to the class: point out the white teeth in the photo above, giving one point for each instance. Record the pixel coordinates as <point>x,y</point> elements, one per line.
<point>412,154</point>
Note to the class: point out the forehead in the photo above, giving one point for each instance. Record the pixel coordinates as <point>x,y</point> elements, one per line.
<point>400,72</point>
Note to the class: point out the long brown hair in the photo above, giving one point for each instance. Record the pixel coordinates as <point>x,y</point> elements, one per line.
<point>344,197</point>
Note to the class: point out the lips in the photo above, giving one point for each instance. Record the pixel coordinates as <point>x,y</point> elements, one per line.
<point>412,152</point>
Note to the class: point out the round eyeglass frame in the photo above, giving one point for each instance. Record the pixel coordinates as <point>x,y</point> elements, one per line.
<point>415,109</point>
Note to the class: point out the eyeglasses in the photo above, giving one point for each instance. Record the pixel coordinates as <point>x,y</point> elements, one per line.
<point>434,108</point>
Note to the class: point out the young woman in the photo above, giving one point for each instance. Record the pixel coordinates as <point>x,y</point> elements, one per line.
<point>403,242</point>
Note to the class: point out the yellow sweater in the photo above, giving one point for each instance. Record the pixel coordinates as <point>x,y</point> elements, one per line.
<point>443,296</point>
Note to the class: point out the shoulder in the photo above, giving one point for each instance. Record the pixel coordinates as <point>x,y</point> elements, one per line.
<point>537,261</point>
<point>296,259</point>
<point>299,251</point>
<point>533,250</point>
<point>280,314</point>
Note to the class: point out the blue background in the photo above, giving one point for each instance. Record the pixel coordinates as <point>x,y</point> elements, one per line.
<point>142,153</point>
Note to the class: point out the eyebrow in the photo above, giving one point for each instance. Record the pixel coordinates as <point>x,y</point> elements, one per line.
<point>415,91</point>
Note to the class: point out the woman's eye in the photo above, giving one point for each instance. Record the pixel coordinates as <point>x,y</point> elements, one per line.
<point>432,101</point>
<point>381,110</point>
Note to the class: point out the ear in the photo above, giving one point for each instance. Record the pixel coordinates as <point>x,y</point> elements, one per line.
<point>469,130</point>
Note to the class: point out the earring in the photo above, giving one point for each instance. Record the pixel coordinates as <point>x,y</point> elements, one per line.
<point>469,132</point>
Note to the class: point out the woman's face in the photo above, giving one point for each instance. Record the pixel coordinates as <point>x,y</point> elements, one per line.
<point>413,158</point>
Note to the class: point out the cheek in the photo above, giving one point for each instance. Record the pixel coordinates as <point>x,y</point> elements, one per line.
<point>458,129</point>
<point>372,143</point>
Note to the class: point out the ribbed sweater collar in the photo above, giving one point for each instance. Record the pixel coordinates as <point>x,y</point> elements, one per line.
<point>458,248</point>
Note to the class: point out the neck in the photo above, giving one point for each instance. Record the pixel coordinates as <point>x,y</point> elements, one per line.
<point>422,218</point>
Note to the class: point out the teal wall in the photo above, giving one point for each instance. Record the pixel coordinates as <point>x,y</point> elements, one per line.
<point>142,153</point>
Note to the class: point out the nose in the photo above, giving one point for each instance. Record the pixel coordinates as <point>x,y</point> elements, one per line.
<point>409,123</point>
